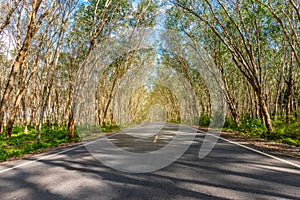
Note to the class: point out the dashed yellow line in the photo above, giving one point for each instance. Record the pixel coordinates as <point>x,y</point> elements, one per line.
<point>155,138</point>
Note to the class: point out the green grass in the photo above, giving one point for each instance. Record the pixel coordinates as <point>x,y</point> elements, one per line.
<point>21,143</point>
<point>287,133</point>
<point>110,128</point>
<point>283,132</point>
<point>204,120</point>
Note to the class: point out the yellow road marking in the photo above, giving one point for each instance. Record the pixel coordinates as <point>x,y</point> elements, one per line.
<point>155,138</point>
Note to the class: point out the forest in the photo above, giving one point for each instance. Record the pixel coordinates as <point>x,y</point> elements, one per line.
<point>49,86</point>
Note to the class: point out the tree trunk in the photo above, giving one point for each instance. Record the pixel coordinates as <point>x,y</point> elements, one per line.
<point>41,114</point>
<point>9,128</point>
<point>13,113</point>
<point>290,87</point>
<point>265,112</point>
<point>71,125</point>
<point>24,115</point>
<point>281,104</point>
<point>232,107</point>
<point>288,104</point>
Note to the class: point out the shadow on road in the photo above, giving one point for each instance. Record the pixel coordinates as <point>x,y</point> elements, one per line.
<point>228,172</point>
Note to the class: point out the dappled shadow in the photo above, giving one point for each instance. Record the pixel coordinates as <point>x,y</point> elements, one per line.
<point>141,139</point>
<point>228,172</point>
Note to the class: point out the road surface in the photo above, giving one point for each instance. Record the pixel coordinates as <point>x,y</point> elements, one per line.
<point>230,171</point>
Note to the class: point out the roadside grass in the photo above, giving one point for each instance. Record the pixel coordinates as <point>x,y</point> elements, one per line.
<point>22,143</point>
<point>288,133</point>
<point>26,143</point>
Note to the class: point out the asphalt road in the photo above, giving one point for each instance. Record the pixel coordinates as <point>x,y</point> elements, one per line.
<point>230,171</point>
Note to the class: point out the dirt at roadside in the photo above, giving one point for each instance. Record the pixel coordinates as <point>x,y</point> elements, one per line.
<point>285,149</point>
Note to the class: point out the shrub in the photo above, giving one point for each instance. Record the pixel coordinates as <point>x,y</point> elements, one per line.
<point>204,120</point>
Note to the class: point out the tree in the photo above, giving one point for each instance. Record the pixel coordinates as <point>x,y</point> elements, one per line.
<point>35,16</point>
<point>241,31</point>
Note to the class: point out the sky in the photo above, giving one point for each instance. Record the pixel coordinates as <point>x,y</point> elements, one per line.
<point>9,44</point>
